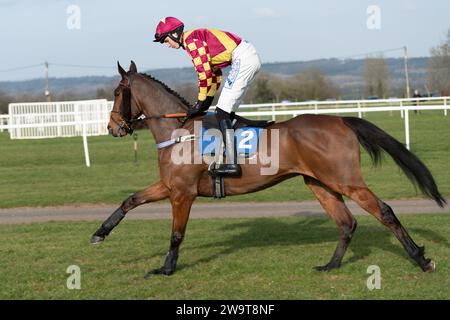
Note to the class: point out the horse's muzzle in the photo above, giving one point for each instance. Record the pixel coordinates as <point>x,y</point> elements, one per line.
<point>114,133</point>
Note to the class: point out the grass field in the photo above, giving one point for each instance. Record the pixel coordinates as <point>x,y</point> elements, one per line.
<point>52,172</point>
<point>265,258</point>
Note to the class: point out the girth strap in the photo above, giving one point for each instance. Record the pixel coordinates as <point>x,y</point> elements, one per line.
<point>218,185</point>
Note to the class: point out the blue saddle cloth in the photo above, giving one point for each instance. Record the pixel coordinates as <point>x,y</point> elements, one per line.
<point>246,142</point>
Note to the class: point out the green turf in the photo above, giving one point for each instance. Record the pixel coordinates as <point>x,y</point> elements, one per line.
<point>265,258</point>
<point>52,172</point>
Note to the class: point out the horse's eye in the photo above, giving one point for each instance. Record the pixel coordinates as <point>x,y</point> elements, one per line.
<point>116,92</point>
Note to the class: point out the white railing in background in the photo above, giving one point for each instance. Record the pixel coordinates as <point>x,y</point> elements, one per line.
<point>110,105</point>
<point>58,119</point>
<point>89,118</point>
<point>349,106</point>
<point>4,119</point>
<point>343,104</point>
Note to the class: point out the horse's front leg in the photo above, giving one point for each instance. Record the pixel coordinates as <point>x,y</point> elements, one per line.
<point>181,207</point>
<point>155,192</point>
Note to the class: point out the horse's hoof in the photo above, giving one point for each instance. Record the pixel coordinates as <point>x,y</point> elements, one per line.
<point>159,271</point>
<point>430,267</point>
<point>325,268</point>
<point>322,268</point>
<point>97,239</point>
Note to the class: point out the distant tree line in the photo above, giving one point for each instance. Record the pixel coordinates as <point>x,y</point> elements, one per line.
<point>309,85</point>
<point>4,101</point>
<point>106,92</point>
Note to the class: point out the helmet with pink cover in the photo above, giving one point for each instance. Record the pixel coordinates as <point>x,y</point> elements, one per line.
<point>166,27</point>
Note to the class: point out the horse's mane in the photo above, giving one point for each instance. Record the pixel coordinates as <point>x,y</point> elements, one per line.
<point>168,89</point>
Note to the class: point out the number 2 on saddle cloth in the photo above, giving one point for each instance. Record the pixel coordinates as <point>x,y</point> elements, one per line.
<point>246,142</point>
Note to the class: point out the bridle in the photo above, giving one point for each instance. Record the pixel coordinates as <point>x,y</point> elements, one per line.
<point>130,125</point>
<point>123,123</point>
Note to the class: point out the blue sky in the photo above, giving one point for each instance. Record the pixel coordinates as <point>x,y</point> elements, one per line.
<point>35,31</point>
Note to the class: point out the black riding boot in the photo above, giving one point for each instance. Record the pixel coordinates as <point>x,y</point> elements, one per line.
<point>230,167</point>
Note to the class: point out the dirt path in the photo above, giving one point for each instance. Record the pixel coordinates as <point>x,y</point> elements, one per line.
<point>219,209</point>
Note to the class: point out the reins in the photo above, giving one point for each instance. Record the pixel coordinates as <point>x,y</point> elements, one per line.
<point>183,116</point>
<point>161,116</point>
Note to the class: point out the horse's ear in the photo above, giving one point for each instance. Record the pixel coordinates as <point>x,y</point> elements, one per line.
<point>133,68</point>
<point>122,72</point>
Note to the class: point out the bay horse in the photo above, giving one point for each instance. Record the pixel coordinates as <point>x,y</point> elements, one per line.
<point>324,149</point>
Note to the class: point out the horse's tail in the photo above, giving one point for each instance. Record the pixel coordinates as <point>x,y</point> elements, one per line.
<point>374,140</point>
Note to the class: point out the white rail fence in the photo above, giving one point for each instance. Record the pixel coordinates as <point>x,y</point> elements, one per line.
<point>58,119</point>
<point>396,105</point>
<point>90,118</point>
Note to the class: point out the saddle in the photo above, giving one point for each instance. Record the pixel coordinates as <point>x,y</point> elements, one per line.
<point>209,121</point>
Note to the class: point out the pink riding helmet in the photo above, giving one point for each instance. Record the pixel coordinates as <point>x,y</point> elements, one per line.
<point>165,27</point>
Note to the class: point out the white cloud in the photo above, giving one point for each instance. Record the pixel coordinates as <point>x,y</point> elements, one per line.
<point>266,13</point>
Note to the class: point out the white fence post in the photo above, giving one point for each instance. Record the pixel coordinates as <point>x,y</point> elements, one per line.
<point>85,145</point>
<point>407,129</point>
<point>58,119</point>
<point>401,109</point>
<point>359,112</point>
<point>4,121</point>
<point>445,104</point>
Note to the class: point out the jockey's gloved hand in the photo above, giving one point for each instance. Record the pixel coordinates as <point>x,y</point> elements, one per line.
<point>208,102</point>
<point>200,106</point>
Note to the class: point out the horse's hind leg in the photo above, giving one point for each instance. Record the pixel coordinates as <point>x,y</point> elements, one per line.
<point>334,205</point>
<point>384,213</point>
<point>155,192</point>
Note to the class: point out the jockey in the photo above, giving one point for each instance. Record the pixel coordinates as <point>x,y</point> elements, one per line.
<point>210,51</point>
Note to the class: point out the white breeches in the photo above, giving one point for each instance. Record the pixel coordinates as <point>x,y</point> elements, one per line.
<point>244,66</point>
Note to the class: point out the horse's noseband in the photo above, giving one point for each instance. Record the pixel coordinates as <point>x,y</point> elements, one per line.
<point>128,126</point>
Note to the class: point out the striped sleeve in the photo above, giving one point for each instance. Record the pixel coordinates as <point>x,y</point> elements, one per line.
<point>208,80</point>
<point>216,80</point>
